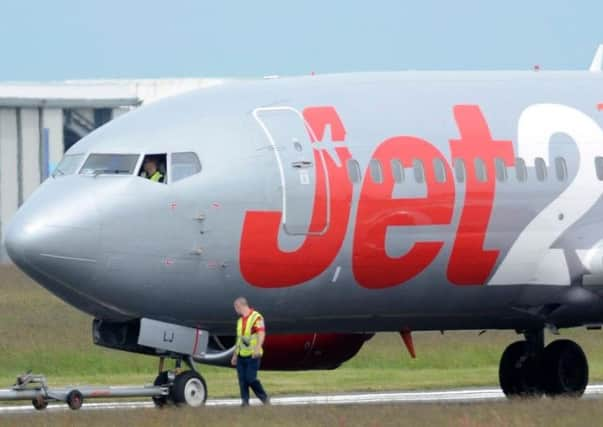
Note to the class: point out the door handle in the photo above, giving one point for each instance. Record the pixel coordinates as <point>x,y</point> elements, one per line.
<point>301,164</point>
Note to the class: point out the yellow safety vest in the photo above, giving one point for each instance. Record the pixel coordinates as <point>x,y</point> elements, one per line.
<point>156,176</point>
<point>246,341</point>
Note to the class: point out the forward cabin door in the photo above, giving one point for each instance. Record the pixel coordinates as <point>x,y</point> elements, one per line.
<point>303,175</point>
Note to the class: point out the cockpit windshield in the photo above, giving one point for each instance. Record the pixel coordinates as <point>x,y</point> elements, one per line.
<point>68,165</point>
<point>110,164</point>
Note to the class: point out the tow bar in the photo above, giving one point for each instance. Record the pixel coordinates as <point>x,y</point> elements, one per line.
<point>35,388</point>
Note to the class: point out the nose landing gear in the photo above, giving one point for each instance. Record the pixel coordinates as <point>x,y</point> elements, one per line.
<point>185,387</point>
<point>529,369</point>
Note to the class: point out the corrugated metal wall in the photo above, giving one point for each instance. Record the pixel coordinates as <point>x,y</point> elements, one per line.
<point>31,142</point>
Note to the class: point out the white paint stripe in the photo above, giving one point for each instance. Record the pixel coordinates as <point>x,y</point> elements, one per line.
<point>465,395</point>
<point>69,258</point>
<point>336,275</point>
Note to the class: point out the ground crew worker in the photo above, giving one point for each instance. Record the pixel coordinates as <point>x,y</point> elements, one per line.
<point>251,333</point>
<point>151,169</point>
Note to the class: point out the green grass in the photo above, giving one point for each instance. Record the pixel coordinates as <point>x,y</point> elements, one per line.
<point>41,333</point>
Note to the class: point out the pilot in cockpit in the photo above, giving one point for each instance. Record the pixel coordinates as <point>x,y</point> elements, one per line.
<point>151,170</point>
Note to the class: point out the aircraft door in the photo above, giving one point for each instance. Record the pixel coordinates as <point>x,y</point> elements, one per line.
<point>303,175</point>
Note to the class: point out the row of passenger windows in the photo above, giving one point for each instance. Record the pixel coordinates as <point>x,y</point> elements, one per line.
<point>519,171</point>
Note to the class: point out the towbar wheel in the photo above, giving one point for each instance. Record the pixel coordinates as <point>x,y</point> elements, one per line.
<point>39,403</point>
<point>75,400</point>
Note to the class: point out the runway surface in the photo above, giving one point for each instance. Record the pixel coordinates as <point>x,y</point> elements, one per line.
<point>436,396</point>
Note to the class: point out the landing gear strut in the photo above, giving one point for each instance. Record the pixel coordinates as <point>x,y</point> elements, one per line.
<point>529,369</point>
<point>186,387</point>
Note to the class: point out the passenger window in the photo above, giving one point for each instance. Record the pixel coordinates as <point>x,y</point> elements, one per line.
<point>353,171</point>
<point>480,170</point>
<point>439,169</point>
<point>397,171</point>
<point>521,172</point>
<point>599,167</point>
<point>540,168</point>
<point>184,165</point>
<point>376,171</point>
<point>501,169</point>
<point>459,170</point>
<point>560,168</point>
<point>154,168</point>
<point>419,171</point>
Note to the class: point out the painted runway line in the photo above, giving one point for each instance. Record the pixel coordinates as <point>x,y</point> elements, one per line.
<point>436,396</point>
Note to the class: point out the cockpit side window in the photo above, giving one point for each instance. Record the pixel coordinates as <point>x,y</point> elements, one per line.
<point>68,165</point>
<point>110,164</point>
<point>184,165</point>
<point>154,168</point>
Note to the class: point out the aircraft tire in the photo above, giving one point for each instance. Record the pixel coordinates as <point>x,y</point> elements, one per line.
<point>161,380</point>
<point>565,369</point>
<point>519,372</point>
<point>189,388</point>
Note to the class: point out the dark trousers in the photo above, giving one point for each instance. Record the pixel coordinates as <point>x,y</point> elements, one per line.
<point>247,370</point>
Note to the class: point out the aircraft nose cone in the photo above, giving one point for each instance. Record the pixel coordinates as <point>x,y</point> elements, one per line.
<point>56,236</point>
<point>13,245</point>
<point>15,242</point>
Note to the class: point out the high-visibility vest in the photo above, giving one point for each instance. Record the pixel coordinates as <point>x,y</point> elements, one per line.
<point>246,341</point>
<point>156,177</point>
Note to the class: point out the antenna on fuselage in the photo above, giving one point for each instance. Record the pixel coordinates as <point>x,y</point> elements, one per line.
<point>597,64</point>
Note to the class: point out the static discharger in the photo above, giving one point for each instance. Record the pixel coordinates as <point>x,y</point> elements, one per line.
<point>406,335</point>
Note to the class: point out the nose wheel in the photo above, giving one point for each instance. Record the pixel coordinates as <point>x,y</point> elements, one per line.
<point>189,388</point>
<point>186,388</point>
<point>161,380</point>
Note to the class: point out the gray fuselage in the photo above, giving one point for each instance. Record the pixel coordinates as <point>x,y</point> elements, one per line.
<point>120,247</point>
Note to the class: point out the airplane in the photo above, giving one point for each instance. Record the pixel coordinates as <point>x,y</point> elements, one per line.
<point>340,205</point>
